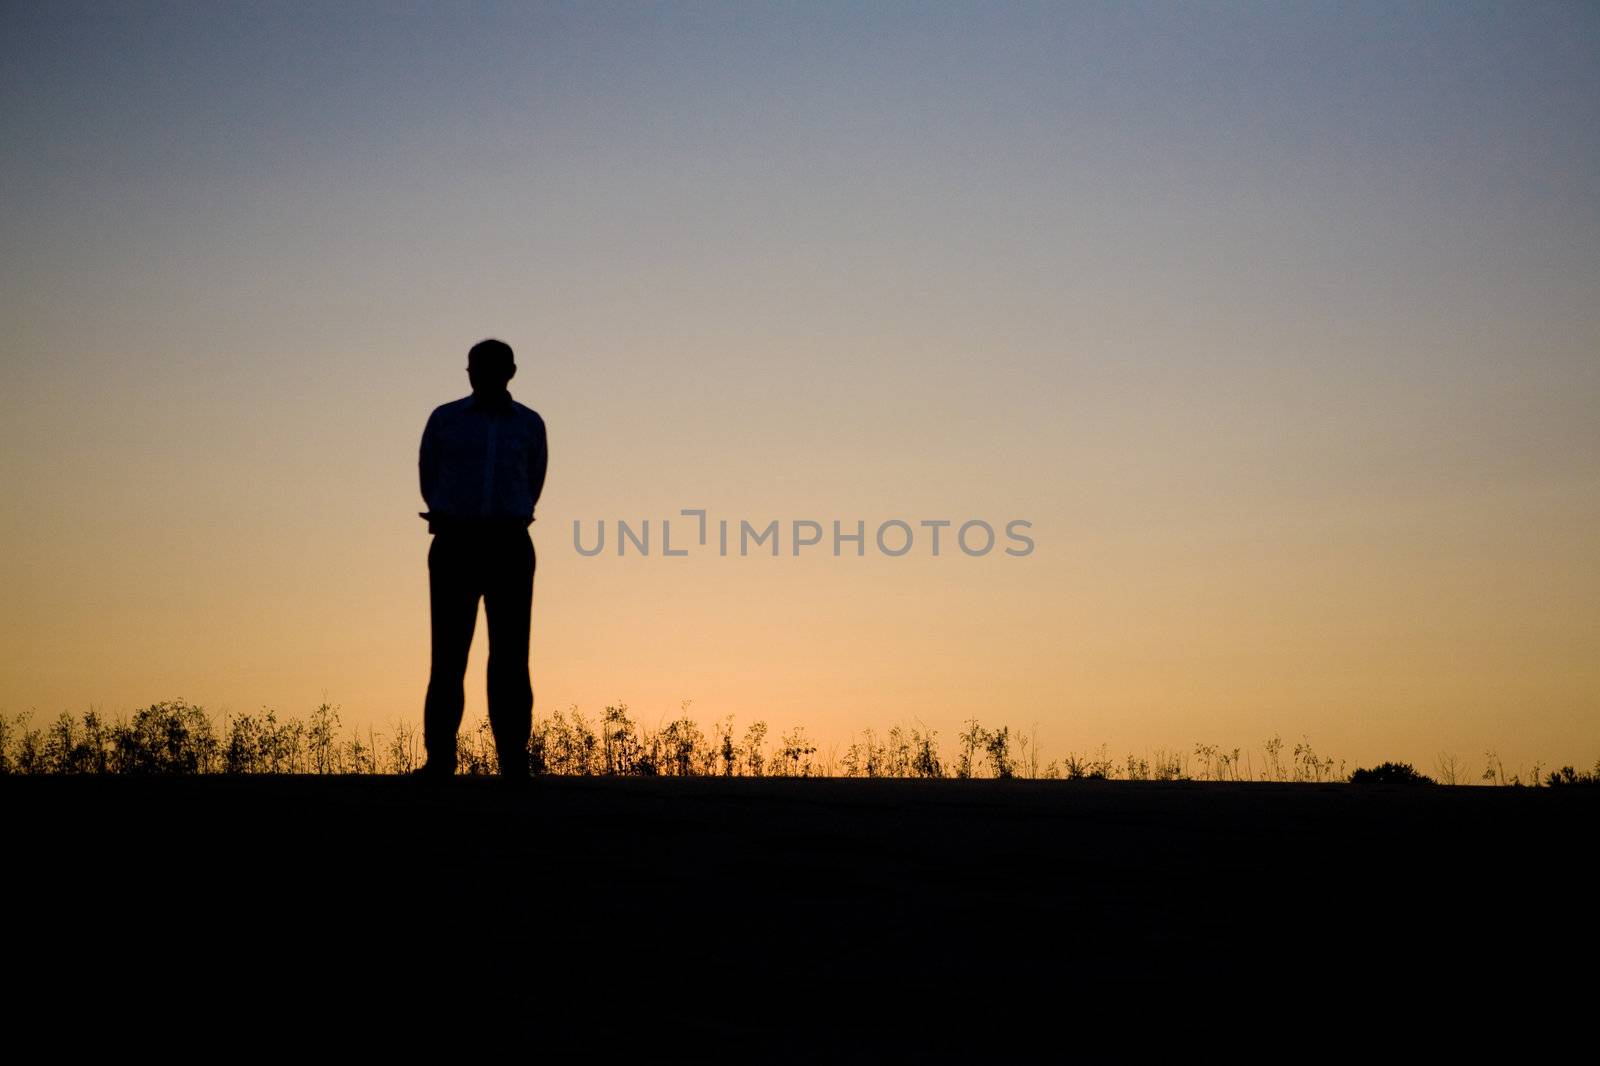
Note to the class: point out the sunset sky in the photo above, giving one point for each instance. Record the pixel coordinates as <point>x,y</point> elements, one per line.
<point>1279,323</point>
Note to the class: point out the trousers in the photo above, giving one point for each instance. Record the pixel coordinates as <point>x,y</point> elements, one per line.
<point>463,567</point>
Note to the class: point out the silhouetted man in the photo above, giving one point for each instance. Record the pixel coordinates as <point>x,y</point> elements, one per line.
<point>483,463</point>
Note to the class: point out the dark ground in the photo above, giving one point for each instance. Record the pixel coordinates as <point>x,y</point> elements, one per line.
<point>743,912</point>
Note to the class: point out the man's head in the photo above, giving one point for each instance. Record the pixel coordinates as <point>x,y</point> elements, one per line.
<point>490,366</point>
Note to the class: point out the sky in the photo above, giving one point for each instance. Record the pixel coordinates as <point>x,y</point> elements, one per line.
<point>1277,323</point>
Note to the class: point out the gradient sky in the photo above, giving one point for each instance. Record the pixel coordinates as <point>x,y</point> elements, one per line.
<point>1280,323</point>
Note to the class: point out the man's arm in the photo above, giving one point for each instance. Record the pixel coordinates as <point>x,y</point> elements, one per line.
<point>537,464</point>
<point>428,463</point>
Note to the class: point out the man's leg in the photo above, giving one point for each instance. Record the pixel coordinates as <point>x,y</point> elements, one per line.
<point>508,603</point>
<point>453,607</point>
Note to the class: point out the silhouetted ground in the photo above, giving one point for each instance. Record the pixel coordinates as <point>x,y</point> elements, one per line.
<point>741,913</point>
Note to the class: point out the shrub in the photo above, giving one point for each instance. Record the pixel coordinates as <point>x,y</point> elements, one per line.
<point>166,738</point>
<point>1568,776</point>
<point>1390,773</point>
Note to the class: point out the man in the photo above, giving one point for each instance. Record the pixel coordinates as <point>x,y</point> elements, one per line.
<point>482,463</point>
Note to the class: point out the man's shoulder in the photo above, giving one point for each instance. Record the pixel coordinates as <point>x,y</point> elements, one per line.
<point>527,414</point>
<point>446,410</point>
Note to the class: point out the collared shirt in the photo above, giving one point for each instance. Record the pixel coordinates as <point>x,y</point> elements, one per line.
<point>482,460</point>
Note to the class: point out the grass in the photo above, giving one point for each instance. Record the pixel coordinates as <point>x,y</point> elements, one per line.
<point>175,737</point>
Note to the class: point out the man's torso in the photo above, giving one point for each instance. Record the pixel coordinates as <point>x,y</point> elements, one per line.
<point>482,458</point>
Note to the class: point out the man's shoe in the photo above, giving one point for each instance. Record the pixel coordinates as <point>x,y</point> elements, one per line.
<point>515,766</point>
<point>433,771</point>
